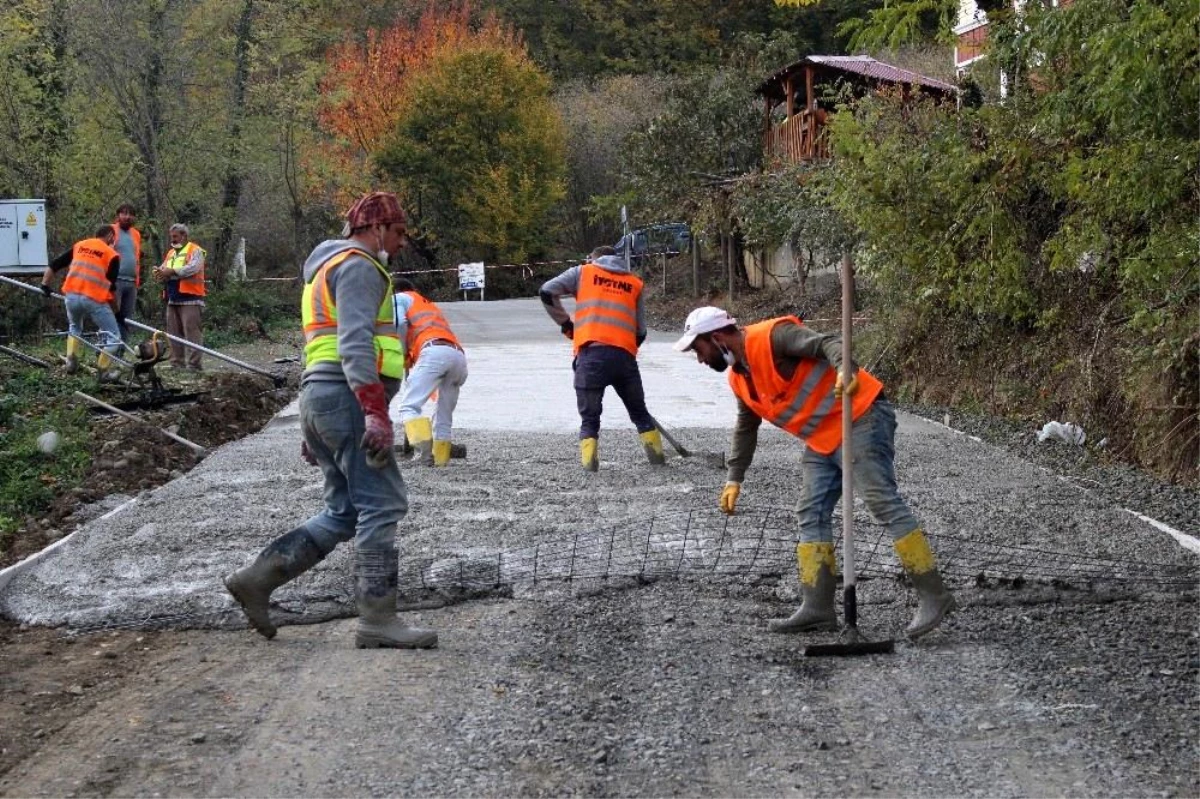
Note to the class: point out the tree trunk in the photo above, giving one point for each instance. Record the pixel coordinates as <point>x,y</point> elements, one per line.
<point>231,193</point>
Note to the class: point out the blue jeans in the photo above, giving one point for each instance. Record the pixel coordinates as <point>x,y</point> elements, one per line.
<point>80,307</point>
<point>873,438</point>
<point>126,304</point>
<point>597,367</point>
<point>361,503</point>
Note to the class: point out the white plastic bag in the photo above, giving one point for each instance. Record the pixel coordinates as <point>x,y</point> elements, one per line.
<point>1065,432</point>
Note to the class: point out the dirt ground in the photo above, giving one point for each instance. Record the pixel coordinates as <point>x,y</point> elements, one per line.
<point>49,678</point>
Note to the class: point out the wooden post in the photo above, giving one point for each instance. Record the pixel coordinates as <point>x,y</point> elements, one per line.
<point>663,256</point>
<point>790,96</point>
<point>695,266</point>
<point>729,263</point>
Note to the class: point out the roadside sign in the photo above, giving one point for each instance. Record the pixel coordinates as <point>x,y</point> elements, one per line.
<point>470,276</point>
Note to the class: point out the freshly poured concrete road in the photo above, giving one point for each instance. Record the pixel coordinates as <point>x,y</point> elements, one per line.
<point>620,688</point>
<point>520,375</point>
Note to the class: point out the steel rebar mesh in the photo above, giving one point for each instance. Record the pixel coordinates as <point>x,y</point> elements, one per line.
<point>758,542</point>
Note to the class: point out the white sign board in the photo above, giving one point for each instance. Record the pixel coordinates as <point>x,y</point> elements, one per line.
<point>470,276</point>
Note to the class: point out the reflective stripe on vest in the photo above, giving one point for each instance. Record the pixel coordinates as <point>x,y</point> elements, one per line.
<point>136,235</point>
<point>606,308</point>
<point>804,405</point>
<point>318,314</point>
<point>425,324</point>
<point>88,274</point>
<point>177,259</point>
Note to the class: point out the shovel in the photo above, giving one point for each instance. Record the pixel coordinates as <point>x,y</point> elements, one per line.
<point>851,643</point>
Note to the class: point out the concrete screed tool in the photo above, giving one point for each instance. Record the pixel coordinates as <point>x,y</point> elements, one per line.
<point>852,642</point>
<point>714,459</point>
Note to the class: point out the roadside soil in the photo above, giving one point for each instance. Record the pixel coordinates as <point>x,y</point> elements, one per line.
<point>51,679</point>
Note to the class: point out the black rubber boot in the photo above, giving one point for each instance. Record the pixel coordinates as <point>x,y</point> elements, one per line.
<point>284,559</point>
<point>378,624</point>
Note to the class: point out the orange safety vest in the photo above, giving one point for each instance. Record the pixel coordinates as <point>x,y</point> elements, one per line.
<point>136,235</point>
<point>88,274</point>
<point>177,258</point>
<point>425,324</point>
<point>804,405</point>
<point>606,308</point>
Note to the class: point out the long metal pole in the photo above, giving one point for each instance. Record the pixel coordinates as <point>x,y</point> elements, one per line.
<point>199,450</point>
<point>850,579</point>
<point>274,377</point>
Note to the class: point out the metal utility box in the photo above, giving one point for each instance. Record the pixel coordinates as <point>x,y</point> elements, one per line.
<point>23,237</point>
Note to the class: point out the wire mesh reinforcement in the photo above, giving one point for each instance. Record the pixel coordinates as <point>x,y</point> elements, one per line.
<point>758,542</point>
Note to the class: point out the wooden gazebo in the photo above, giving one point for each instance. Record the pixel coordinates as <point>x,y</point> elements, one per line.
<point>800,136</point>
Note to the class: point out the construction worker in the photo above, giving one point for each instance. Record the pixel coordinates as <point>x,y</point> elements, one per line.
<point>90,292</point>
<point>128,244</point>
<point>354,365</point>
<point>791,376</point>
<point>608,328</point>
<point>435,362</point>
<point>182,276</point>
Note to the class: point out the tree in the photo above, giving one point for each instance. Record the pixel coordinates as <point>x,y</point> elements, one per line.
<point>479,151</point>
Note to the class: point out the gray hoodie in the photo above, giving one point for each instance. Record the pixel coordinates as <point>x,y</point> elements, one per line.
<point>358,289</point>
<point>567,285</point>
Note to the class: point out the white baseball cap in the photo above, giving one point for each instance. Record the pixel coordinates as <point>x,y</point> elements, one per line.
<point>701,321</point>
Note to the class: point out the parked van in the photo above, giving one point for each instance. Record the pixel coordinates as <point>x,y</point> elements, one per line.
<point>669,238</point>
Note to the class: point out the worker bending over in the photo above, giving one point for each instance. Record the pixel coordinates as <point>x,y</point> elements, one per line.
<point>790,375</point>
<point>435,362</point>
<point>608,329</point>
<point>90,292</point>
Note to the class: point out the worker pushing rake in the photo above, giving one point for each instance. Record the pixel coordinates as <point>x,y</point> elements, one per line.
<point>805,383</point>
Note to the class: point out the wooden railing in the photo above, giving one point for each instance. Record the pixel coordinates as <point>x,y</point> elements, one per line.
<point>800,138</point>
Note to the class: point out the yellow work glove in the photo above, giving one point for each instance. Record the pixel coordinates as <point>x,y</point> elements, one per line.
<point>729,496</point>
<point>839,389</point>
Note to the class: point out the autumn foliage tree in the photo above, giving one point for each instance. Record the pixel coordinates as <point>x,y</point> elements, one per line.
<point>366,86</point>
<point>479,151</point>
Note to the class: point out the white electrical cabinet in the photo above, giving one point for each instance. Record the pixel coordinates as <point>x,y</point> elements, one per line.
<point>23,236</point>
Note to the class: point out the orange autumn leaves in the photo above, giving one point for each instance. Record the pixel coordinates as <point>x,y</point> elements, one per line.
<point>366,88</point>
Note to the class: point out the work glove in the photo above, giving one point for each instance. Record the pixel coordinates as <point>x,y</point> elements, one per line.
<point>729,497</point>
<point>307,455</point>
<point>839,389</point>
<point>49,292</point>
<point>379,439</point>
<point>568,329</point>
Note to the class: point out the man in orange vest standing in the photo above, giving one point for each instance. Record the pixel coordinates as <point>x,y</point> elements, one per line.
<point>790,375</point>
<point>435,362</point>
<point>608,328</point>
<point>182,275</point>
<point>128,244</point>
<point>89,290</point>
<point>353,365</point>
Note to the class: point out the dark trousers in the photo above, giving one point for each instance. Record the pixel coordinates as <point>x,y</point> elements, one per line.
<point>599,366</point>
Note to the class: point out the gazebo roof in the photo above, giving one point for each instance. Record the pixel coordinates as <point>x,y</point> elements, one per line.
<point>860,65</point>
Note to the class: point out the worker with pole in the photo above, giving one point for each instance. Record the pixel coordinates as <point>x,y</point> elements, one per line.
<point>90,293</point>
<point>354,365</point>
<point>784,372</point>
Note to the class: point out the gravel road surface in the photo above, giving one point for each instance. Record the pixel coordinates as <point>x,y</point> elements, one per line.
<point>1070,669</point>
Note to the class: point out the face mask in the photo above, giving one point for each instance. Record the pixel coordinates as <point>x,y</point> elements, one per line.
<point>381,253</point>
<point>728,355</point>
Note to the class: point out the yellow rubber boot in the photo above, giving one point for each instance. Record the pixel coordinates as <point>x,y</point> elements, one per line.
<point>588,454</point>
<point>652,443</point>
<point>934,602</point>
<point>441,452</point>
<point>816,566</point>
<point>419,432</point>
<point>72,360</point>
